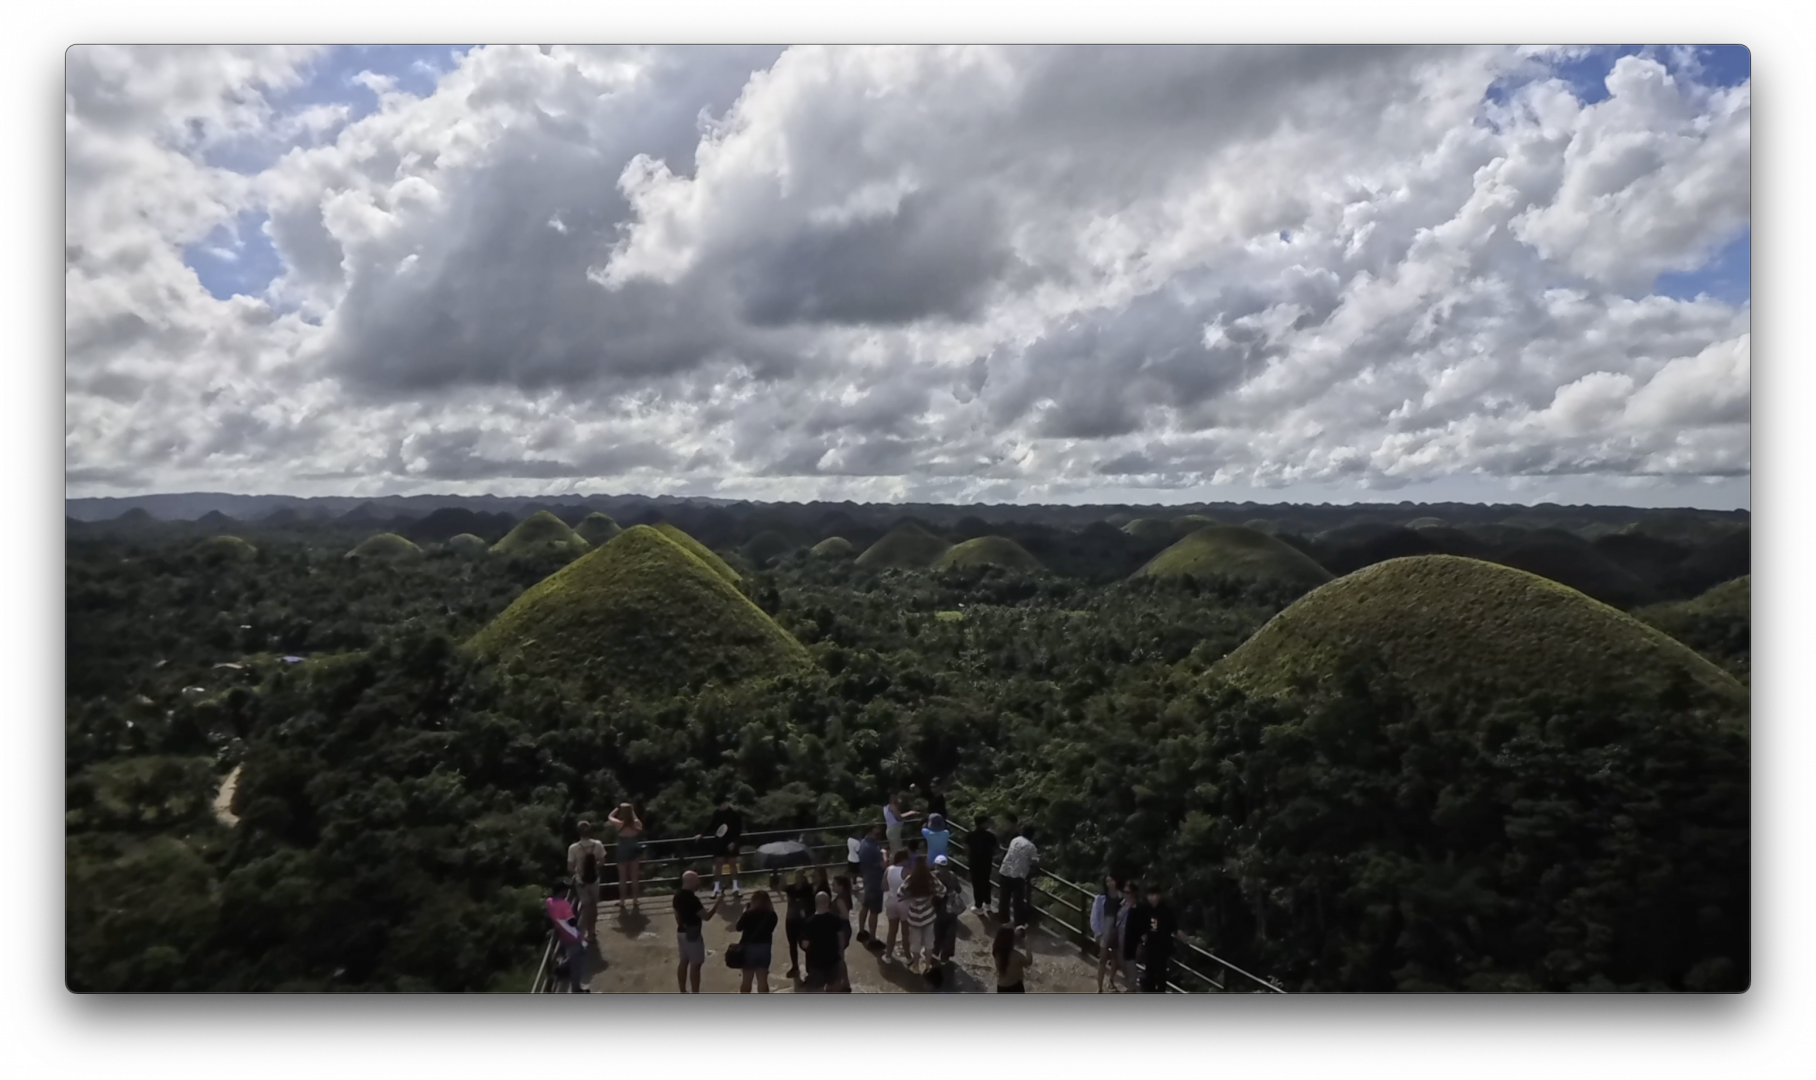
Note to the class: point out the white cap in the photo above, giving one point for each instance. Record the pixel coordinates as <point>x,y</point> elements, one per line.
<point>939,860</point>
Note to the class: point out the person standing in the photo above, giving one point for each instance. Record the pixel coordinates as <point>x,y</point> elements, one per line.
<point>871,863</point>
<point>843,902</point>
<point>1158,935</point>
<point>894,817</point>
<point>1106,927</point>
<point>936,798</point>
<point>800,908</point>
<point>920,894</point>
<point>825,936</point>
<point>1017,871</point>
<point>586,863</point>
<point>691,917</point>
<point>757,927</point>
<point>980,848</point>
<point>952,901</point>
<point>892,901</point>
<point>1013,958</point>
<point>727,827</point>
<point>572,961</point>
<point>938,837</point>
<point>630,855</point>
<point>1134,926</point>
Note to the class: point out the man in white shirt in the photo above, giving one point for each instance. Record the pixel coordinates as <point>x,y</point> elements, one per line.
<point>586,865</point>
<point>1018,868</point>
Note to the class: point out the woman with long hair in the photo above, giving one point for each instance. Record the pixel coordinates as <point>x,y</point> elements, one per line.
<point>630,854</point>
<point>1013,958</point>
<point>800,908</point>
<point>844,900</point>
<point>758,929</point>
<point>892,900</point>
<point>920,893</point>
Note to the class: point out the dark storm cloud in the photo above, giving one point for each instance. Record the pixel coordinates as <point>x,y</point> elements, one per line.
<point>936,256</point>
<point>1104,371</point>
<point>461,455</point>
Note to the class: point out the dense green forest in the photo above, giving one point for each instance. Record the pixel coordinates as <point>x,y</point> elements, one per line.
<point>404,798</point>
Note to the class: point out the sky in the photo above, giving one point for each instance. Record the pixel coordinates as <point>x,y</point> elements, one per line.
<point>1058,275</point>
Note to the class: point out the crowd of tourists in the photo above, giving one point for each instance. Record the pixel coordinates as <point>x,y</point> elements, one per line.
<point>900,894</point>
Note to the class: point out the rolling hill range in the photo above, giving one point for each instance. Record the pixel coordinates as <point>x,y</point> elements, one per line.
<point>385,546</point>
<point>597,528</point>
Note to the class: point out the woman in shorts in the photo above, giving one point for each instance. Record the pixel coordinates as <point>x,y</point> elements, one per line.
<point>630,854</point>
<point>843,901</point>
<point>893,907</point>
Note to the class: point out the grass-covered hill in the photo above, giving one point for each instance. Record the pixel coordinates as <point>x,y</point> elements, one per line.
<point>468,546</point>
<point>989,551</point>
<point>1442,625</point>
<point>905,547</point>
<point>597,528</point>
<point>1235,552</point>
<point>700,551</point>
<point>541,533</point>
<point>834,547</point>
<point>641,615</point>
<point>385,546</point>
<point>226,549</point>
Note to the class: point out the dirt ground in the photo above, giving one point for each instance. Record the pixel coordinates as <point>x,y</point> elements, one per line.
<point>640,957</point>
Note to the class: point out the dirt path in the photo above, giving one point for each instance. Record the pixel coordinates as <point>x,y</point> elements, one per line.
<point>223,799</point>
<point>640,958</point>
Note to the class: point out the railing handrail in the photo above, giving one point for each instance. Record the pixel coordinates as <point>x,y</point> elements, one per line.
<point>1192,945</point>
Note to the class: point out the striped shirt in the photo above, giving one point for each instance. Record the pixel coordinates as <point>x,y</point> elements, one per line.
<point>921,909</point>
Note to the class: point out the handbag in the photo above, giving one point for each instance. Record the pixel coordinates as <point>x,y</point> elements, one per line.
<point>734,955</point>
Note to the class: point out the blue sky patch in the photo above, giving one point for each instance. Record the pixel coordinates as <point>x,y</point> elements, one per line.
<point>415,69</point>
<point>1727,277</point>
<point>1587,73</point>
<point>237,259</point>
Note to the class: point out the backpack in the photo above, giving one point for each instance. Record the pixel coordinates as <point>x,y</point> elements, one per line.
<point>589,868</point>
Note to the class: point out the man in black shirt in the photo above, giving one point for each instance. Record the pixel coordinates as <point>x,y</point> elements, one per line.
<point>980,851</point>
<point>936,799</point>
<point>824,936</point>
<point>727,827</point>
<point>1160,926</point>
<point>691,917</point>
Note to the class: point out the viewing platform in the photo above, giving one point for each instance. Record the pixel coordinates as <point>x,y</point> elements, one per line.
<point>636,951</point>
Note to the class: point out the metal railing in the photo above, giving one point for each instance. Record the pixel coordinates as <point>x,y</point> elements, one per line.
<point>1184,978</point>
<point>1243,981</point>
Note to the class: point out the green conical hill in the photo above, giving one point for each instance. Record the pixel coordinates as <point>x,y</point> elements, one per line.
<point>700,551</point>
<point>539,534</point>
<point>385,546</point>
<point>1151,529</point>
<point>989,551</point>
<point>907,546</point>
<point>467,545</point>
<point>597,528</point>
<point>1443,624</point>
<point>766,547</point>
<point>226,549</point>
<point>834,547</point>
<point>642,615</point>
<point>1236,552</point>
